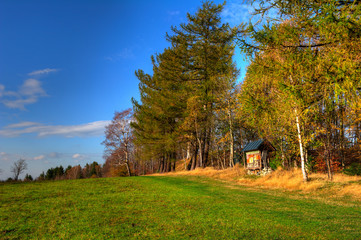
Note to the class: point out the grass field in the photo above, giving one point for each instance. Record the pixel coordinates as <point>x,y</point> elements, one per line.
<point>167,207</point>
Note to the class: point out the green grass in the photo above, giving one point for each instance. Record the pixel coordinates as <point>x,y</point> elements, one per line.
<point>166,208</point>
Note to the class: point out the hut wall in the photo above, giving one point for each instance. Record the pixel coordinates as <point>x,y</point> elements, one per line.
<point>253,159</point>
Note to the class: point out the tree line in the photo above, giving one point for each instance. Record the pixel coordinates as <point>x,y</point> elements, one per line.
<point>301,92</point>
<point>303,85</point>
<point>92,170</point>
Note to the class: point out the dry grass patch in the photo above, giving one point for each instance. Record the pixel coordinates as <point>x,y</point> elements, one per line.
<point>230,174</point>
<point>291,180</point>
<point>341,186</point>
<point>353,190</point>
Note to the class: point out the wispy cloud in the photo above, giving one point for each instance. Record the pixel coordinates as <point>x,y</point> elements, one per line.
<point>236,12</point>
<point>91,129</point>
<point>28,93</point>
<point>78,156</point>
<point>31,87</point>
<point>173,13</point>
<point>4,156</point>
<point>42,71</point>
<point>125,54</point>
<point>54,155</point>
<point>239,11</point>
<point>40,157</point>
<point>22,125</point>
<point>2,89</point>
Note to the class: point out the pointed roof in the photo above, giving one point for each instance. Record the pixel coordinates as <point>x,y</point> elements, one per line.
<point>252,146</point>
<point>257,145</point>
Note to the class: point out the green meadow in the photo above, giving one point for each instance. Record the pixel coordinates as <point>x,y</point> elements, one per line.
<point>163,207</point>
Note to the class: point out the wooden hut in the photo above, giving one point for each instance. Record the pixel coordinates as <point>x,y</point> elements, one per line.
<point>257,155</point>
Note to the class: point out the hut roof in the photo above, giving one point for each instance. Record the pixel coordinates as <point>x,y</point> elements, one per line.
<point>258,145</point>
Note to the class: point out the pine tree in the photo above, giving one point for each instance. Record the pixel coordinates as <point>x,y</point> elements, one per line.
<point>208,50</point>
<point>160,113</point>
<point>179,101</point>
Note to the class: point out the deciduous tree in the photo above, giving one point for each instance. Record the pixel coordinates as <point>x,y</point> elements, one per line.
<point>119,139</point>
<point>18,167</point>
<point>309,55</point>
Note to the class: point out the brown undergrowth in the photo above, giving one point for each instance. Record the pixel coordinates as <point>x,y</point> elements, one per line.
<point>318,184</point>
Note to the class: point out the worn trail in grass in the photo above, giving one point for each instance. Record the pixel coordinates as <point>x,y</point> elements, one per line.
<point>167,208</point>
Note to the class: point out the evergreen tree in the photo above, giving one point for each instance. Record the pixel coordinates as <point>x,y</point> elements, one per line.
<point>178,102</point>
<point>159,116</point>
<point>28,177</point>
<point>208,51</point>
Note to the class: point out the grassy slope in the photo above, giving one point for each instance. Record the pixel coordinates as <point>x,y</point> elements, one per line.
<point>168,208</point>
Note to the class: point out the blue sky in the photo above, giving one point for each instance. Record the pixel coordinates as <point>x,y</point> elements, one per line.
<point>66,66</point>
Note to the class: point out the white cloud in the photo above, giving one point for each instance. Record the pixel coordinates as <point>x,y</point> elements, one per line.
<point>28,93</point>
<point>54,155</point>
<point>236,12</point>
<point>32,87</point>
<point>20,103</point>
<point>125,53</point>
<point>239,11</point>
<point>77,155</point>
<point>22,125</point>
<point>173,13</point>
<point>2,88</point>
<point>42,71</point>
<point>39,157</point>
<point>4,156</point>
<point>91,129</point>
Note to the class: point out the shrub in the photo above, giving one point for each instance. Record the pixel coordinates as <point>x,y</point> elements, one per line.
<point>353,169</point>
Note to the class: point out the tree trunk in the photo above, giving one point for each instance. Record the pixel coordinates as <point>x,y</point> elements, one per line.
<point>231,142</point>
<point>224,157</point>
<point>282,154</point>
<point>328,160</point>
<point>244,160</point>
<point>206,147</point>
<point>194,162</point>
<point>303,167</point>
<point>161,167</point>
<point>188,155</point>
<point>166,164</point>
<point>127,162</point>
<point>152,166</point>
<point>200,152</point>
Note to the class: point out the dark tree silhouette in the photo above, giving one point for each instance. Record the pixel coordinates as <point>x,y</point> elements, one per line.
<point>18,167</point>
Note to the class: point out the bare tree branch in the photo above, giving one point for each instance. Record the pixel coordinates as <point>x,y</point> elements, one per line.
<point>18,167</point>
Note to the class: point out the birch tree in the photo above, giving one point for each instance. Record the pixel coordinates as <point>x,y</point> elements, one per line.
<point>119,139</point>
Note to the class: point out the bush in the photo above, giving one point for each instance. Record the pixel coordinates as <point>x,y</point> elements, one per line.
<point>9,180</point>
<point>353,169</point>
<point>276,161</point>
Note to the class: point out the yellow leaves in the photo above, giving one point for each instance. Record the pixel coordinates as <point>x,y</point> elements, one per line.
<point>224,139</point>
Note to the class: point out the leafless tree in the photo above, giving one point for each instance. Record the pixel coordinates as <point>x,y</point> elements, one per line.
<point>118,138</point>
<point>74,172</point>
<point>18,167</point>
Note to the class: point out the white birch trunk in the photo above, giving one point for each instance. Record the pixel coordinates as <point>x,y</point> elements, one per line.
<point>303,166</point>
<point>231,163</point>
<point>188,150</point>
